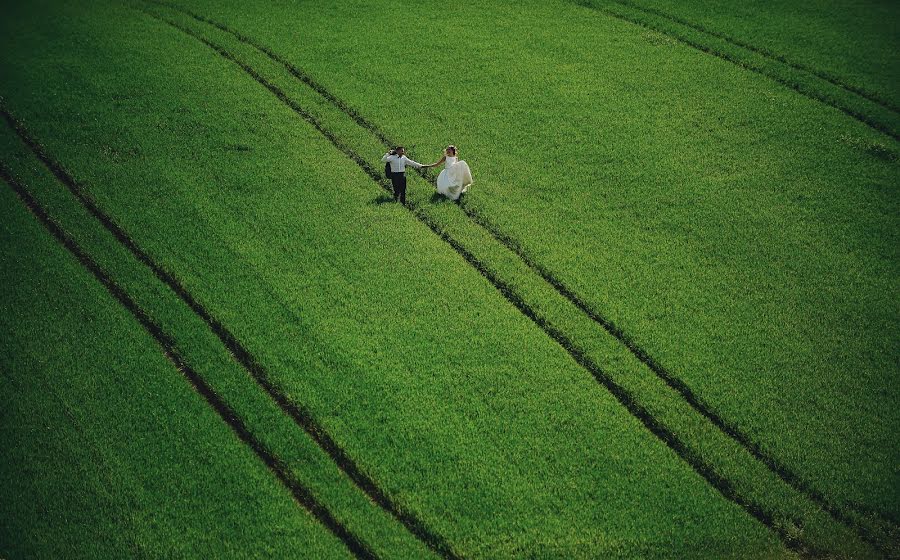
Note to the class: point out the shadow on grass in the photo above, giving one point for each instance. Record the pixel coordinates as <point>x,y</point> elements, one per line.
<point>880,151</point>
<point>382,199</point>
<point>438,198</point>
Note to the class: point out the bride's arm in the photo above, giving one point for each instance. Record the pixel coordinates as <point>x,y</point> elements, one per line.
<point>438,162</point>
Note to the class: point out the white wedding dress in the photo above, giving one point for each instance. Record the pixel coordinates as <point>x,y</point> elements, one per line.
<point>454,179</point>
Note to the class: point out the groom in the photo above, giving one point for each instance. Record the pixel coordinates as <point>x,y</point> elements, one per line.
<point>398,161</point>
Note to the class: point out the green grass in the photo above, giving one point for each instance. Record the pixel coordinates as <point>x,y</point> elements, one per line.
<point>107,450</point>
<point>365,376</point>
<point>721,227</point>
<point>729,459</point>
<point>740,233</point>
<point>851,44</point>
<point>207,355</point>
<point>859,103</point>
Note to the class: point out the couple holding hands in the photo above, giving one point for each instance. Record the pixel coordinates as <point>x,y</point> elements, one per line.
<point>454,179</point>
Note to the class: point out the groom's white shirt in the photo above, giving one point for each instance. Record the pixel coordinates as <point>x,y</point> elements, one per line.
<point>398,164</point>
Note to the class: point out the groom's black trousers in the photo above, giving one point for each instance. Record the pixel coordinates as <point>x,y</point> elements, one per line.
<point>399,182</point>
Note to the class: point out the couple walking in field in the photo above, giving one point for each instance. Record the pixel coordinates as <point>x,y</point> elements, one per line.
<point>454,179</point>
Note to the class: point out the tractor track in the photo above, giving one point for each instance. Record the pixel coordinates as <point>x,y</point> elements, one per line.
<point>622,395</point>
<point>301,415</point>
<point>767,53</point>
<point>688,395</point>
<point>803,90</point>
<point>299,492</point>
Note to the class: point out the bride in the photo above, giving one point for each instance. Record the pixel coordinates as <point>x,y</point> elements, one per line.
<point>456,176</point>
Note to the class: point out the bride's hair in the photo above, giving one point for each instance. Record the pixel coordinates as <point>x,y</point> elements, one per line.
<point>452,148</point>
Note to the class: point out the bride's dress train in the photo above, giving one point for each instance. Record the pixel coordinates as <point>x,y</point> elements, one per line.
<point>454,179</point>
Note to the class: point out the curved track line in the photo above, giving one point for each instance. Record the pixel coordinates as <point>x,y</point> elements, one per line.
<point>300,493</point>
<point>802,90</point>
<point>850,88</point>
<point>297,412</point>
<point>787,475</point>
<point>622,395</point>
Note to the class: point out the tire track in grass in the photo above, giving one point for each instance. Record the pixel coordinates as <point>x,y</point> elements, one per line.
<point>872,512</point>
<point>784,473</point>
<point>762,51</point>
<point>622,395</point>
<point>301,415</point>
<point>300,493</point>
<point>803,90</point>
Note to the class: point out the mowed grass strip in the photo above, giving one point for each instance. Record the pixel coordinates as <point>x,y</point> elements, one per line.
<point>415,382</point>
<point>108,452</point>
<point>308,462</point>
<point>788,504</point>
<point>719,219</point>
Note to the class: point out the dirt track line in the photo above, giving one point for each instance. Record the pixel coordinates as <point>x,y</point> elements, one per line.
<point>297,412</point>
<point>300,493</point>
<point>730,430</point>
<point>762,51</point>
<point>664,434</point>
<point>799,88</point>
<point>880,515</point>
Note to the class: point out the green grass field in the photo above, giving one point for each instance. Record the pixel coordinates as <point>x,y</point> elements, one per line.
<point>663,323</point>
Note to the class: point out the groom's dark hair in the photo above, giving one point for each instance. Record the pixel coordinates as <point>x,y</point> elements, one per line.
<point>399,148</point>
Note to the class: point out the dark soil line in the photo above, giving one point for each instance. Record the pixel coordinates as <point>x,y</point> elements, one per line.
<point>882,516</point>
<point>297,412</point>
<point>762,51</point>
<point>788,476</point>
<point>301,494</point>
<point>799,88</point>
<point>668,437</point>
<point>293,70</point>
